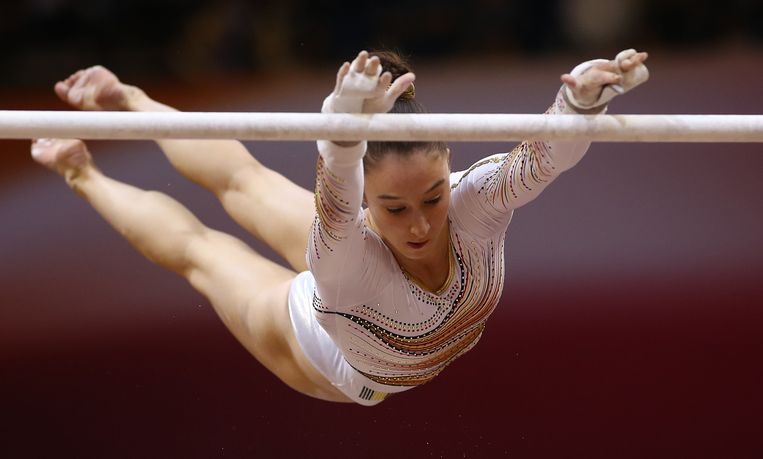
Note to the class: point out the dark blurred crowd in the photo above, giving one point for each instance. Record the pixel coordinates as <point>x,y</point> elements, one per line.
<point>187,39</point>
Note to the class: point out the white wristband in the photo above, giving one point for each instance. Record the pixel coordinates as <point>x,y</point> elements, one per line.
<point>342,104</point>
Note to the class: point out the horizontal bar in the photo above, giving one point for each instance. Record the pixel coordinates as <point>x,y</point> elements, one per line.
<point>19,124</point>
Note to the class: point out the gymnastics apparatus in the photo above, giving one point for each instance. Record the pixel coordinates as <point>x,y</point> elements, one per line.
<point>20,124</point>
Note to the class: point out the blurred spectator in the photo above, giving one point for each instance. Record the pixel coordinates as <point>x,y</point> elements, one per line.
<point>595,24</point>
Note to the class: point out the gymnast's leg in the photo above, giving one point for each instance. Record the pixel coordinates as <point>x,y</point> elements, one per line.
<point>262,201</point>
<point>248,291</point>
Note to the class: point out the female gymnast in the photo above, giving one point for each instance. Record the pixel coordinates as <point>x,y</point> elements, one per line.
<point>396,262</point>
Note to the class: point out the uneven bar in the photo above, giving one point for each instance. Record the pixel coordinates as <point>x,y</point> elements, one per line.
<point>20,124</point>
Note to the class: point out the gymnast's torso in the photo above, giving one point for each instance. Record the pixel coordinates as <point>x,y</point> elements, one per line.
<point>388,326</point>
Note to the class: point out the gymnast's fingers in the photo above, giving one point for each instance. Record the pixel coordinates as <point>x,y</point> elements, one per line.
<point>608,66</point>
<point>596,78</point>
<point>372,67</point>
<point>633,61</point>
<point>399,86</point>
<point>343,71</point>
<point>384,81</point>
<point>360,62</point>
<point>569,80</point>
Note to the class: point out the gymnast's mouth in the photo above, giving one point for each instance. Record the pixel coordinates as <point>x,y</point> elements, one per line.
<point>417,245</point>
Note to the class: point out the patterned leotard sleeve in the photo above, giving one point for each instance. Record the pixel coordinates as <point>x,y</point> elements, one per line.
<point>338,242</point>
<point>487,193</point>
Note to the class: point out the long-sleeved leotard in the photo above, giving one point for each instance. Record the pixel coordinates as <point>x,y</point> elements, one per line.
<point>387,326</point>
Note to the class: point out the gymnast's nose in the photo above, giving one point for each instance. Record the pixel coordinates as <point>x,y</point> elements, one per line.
<point>420,226</point>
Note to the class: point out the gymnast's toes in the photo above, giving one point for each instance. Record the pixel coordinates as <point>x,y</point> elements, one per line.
<point>61,155</point>
<point>94,88</point>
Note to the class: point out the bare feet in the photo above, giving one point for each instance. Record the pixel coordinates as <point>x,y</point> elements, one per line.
<point>68,157</point>
<point>94,88</point>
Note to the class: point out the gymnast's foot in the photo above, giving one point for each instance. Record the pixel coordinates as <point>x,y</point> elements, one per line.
<point>68,157</point>
<point>96,88</point>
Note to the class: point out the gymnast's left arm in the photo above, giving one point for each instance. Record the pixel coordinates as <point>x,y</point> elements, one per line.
<point>510,180</point>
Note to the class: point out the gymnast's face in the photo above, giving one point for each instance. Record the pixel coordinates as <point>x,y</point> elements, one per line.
<point>408,199</point>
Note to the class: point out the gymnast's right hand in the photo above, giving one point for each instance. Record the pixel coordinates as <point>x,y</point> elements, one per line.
<point>361,87</point>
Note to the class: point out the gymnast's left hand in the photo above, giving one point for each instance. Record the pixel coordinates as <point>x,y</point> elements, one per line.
<point>594,83</point>
<point>363,87</point>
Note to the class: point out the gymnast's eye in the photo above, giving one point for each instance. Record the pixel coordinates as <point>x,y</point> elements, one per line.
<point>434,200</point>
<point>395,210</point>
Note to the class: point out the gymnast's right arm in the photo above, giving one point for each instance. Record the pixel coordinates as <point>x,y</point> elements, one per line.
<point>338,243</point>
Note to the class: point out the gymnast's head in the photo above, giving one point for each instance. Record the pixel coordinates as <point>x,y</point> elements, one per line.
<point>407,187</point>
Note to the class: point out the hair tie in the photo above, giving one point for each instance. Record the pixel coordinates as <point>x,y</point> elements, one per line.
<point>409,93</point>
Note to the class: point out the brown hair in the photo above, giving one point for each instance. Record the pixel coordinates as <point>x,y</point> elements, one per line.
<point>392,62</point>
